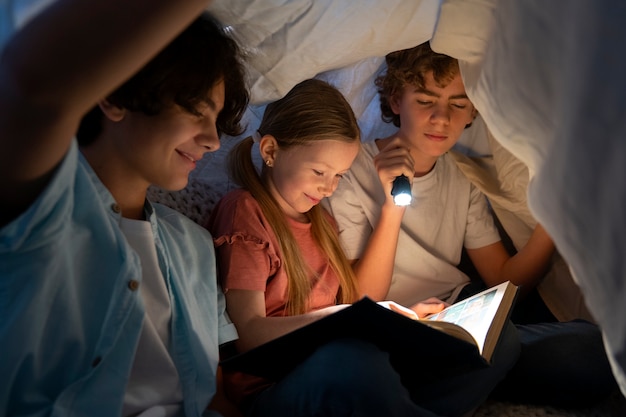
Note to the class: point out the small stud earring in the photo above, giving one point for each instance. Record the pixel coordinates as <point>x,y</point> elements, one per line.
<point>268,163</point>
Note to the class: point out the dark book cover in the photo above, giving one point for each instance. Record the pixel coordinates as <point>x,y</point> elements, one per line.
<point>414,347</point>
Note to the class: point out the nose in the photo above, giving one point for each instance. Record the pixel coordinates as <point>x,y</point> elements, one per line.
<point>209,138</point>
<point>440,114</point>
<point>329,186</point>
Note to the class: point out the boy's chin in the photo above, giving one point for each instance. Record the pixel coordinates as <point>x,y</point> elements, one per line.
<point>173,186</point>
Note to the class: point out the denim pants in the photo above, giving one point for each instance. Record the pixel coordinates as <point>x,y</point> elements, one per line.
<point>562,364</point>
<point>350,377</point>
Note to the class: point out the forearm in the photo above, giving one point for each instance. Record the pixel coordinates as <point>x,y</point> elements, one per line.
<point>375,267</point>
<point>87,48</point>
<point>531,263</point>
<point>259,330</point>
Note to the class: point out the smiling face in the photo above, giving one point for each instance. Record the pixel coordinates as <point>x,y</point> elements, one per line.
<point>162,150</point>
<point>433,118</point>
<point>301,176</point>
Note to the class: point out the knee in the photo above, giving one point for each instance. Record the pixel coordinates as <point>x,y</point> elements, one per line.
<point>345,377</point>
<point>349,362</point>
<point>350,371</point>
<point>561,364</point>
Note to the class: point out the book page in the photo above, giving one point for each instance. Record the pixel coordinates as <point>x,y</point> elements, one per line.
<point>474,314</point>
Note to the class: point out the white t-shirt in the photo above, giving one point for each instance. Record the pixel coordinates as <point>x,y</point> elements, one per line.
<point>447,213</point>
<point>154,388</point>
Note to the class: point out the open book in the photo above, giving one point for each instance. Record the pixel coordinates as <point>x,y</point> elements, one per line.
<point>478,319</point>
<point>415,346</point>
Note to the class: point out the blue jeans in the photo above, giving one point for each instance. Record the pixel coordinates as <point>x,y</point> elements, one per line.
<point>350,377</point>
<point>562,364</point>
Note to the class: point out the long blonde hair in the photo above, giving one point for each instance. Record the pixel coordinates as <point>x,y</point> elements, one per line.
<point>313,110</point>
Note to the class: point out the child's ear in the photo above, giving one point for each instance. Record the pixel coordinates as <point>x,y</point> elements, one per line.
<point>394,103</point>
<point>268,147</point>
<point>473,115</point>
<point>111,111</point>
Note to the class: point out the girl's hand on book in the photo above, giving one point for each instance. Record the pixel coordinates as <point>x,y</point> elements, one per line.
<point>430,306</point>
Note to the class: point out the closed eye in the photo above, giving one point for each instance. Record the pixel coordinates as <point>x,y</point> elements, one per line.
<point>318,173</point>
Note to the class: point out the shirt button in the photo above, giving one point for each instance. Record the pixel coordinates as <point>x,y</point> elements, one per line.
<point>96,361</point>
<point>116,208</point>
<point>133,285</point>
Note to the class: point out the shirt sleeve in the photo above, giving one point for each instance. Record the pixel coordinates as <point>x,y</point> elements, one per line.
<point>49,213</point>
<point>226,331</point>
<point>245,249</point>
<point>481,229</point>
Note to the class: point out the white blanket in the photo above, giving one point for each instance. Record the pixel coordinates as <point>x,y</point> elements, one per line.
<point>551,86</point>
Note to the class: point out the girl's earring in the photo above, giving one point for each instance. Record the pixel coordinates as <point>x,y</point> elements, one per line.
<point>268,163</point>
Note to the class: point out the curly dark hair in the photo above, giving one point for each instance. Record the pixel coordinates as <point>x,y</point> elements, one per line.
<point>183,73</point>
<point>408,67</point>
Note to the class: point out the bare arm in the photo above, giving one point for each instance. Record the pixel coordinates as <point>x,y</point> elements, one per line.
<point>84,50</point>
<point>526,268</point>
<point>375,268</point>
<point>247,311</point>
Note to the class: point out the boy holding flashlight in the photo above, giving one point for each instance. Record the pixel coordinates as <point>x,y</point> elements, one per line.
<point>415,249</point>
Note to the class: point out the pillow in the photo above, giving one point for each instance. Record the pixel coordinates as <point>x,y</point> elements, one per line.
<point>356,83</point>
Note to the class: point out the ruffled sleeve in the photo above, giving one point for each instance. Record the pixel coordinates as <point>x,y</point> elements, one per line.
<point>245,245</point>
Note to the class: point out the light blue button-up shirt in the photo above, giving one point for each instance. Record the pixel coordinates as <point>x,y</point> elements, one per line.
<point>70,309</point>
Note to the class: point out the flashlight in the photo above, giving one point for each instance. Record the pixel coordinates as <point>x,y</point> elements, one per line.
<point>401,191</point>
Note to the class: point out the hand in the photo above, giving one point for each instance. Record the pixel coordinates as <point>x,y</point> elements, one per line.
<point>430,306</point>
<point>392,161</point>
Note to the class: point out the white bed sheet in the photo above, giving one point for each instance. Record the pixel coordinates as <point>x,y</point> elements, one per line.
<point>551,86</point>
<point>572,131</point>
<point>291,40</point>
